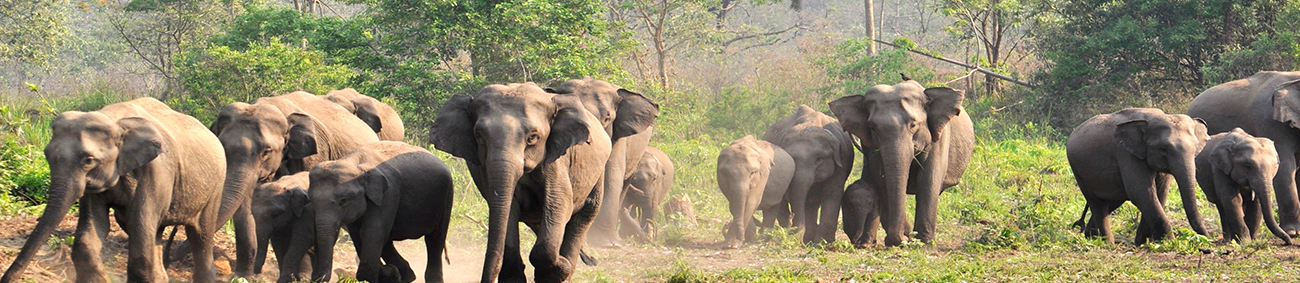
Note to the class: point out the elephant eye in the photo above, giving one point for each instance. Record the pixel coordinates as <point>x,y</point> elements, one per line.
<point>88,161</point>
<point>533,138</point>
<point>478,136</point>
<point>266,151</point>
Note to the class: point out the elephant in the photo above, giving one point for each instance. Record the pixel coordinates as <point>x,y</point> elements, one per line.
<point>154,167</point>
<point>915,140</point>
<point>386,191</point>
<point>1235,171</point>
<point>378,115</point>
<point>1267,104</point>
<point>823,156</point>
<point>628,117</point>
<point>277,136</point>
<point>754,175</point>
<point>861,209</point>
<point>286,221</point>
<point>537,158</point>
<point>646,187</point>
<point>1129,155</point>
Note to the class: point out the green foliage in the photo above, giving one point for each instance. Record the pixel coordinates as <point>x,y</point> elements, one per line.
<point>854,71</point>
<point>739,111</point>
<point>344,41</point>
<point>217,75</point>
<point>1110,54</point>
<point>32,31</point>
<point>1184,241</point>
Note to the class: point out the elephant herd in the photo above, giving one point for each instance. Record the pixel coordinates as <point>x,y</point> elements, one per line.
<point>573,163</point>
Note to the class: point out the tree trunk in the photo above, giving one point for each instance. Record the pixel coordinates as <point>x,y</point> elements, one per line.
<point>871,27</point>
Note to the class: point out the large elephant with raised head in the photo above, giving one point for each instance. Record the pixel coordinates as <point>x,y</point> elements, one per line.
<point>285,221</point>
<point>1129,155</point>
<point>915,140</point>
<point>823,156</point>
<point>1266,105</point>
<point>153,166</point>
<point>378,115</point>
<point>627,117</point>
<point>277,136</point>
<point>387,191</point>
<point>1236,173</point>
<point>537,158</point>
<point>754,175</point>
<point>645,188</point>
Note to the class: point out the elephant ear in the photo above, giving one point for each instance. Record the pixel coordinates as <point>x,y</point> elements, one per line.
<point>568,127</point>
<point>844,153</point>
<point>302,136</point>
<point>453,128</point>
<point>1286,104</point>
<point>298,201</point>
<point>377,185</point>
<point>852,113</point>
<point>366,111</point>
<point>635,113</point>
<point>1132,137</point>
<point>141,143</point>
<point>1222,156</point>
<point>942,104</point>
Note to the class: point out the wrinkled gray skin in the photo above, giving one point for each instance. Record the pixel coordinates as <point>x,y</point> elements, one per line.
<point>387,191</point>
<point>1265,105</point>
<point>646,187</point>
<point>379,116</point>
<point>861,213</point>
<point>537,158</point>
<point>915,140</point>
<point>823,157</point>
<point>1128,156</point>
<point>277,136</point>
<point>153,166</point>
<point>628,117</point>
<point>285,221</point>
<point>1236,173</point>
<point>754,175</point>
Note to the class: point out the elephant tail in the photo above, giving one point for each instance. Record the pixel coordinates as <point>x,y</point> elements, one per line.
<point>167,249</point>
<point>1079,224</point>
<point>587,259</point>
<point>447,255</point>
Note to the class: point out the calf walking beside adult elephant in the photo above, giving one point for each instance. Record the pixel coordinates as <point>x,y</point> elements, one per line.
<point>537,158</point>
<point>1266,105</point>
<point>627,118</point>
<point>1129,156</point>
<point>645,188</point>
<point>915,140</point>
<point>1236,173</point>
<point>277,136</point>
<point>754,175</point>
<point>152,166</point>
<point>823,157</point>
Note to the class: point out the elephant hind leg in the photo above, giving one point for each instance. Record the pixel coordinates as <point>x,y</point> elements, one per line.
<point>201,246</point>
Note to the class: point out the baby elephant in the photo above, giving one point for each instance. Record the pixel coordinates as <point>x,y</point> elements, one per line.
<point>754,175</point>
<point>645,188</point>
<point>383,192</point>
<point>861,213</point>
<point>1236,172</point>
<point>284,218</point>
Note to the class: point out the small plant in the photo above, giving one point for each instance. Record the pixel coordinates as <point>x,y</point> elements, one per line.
<point>57,242</point>
<point>1184,241</point>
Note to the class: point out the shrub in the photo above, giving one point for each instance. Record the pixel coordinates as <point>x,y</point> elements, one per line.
<point>218,75</point>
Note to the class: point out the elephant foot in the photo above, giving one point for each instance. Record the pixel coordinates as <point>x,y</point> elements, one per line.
<point>1291,228</point>
<point>559,272</point>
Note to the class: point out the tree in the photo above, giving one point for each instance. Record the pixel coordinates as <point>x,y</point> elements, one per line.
<point>1152,52</point>
<point>997,27</point>
<point>157,30</point>
<point>664,25</point>
<point>32,31</point>
<point>218,75</point>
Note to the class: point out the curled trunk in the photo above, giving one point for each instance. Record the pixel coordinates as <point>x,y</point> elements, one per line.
<point>62,194</point>
<point>1264,196</point>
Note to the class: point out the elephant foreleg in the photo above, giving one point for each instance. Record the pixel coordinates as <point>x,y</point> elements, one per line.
<point>393,258</point>
<point>549,265</point>
<point>929,184</point>
<point>575,231</point>
<point>1252,215</point>
<point>1284,187</point>
<point>92,229</point>
<point>245,239</point>
<point>830,210</point>
<point>512,262</point>
<point>201,246</point>
<point>370,239</point>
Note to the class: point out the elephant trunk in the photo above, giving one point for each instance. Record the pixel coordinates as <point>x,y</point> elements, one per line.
<point>327,233</point>
<point>264,230</point>
<point>62,194</point>
<point>503,175</point>
<point>240,179</point>
<point>896,161</point>
<point>1264,198</point>
<point>1185,175</point>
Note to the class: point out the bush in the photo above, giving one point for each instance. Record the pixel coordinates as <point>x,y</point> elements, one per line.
<point>218,75</point>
